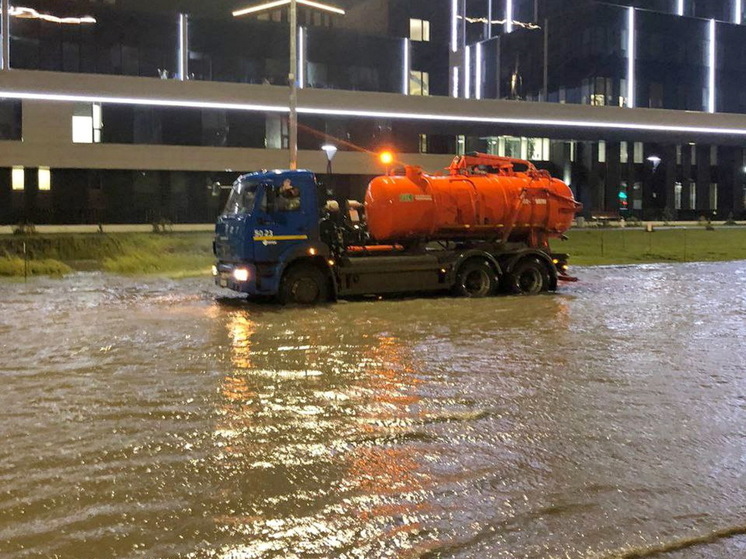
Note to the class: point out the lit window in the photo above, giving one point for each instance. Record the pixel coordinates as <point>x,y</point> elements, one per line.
<point>419,83</point>
<point>622,92</point>
<point>638,147</point>
<point>624,152</point>
<point>18,177</point>
<point>423,143</point>
<point>419,30</point>
<point>538,149</point>
<point>513,147</point>
<point>98,122</point>
<point>692,194</point>
<point>82,130</point>
<point>713,155</point>
<point>87,123</point>
<point>714,196</point>
<point>45,179</point>
<point>602,152</point>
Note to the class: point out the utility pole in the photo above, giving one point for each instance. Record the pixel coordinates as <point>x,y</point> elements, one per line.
<point>293,82</point>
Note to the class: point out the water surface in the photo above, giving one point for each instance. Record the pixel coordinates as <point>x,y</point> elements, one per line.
<point>150,418</point>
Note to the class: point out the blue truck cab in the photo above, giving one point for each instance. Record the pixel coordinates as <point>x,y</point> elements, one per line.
<point>270,226</point>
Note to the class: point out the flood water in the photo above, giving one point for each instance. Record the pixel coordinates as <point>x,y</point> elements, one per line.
<point>151,418</point>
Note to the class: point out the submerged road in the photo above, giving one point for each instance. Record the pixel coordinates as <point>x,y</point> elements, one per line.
<point>151,418</point>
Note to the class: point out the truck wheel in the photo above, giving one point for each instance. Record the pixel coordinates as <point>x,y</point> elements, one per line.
<point>475,279</point>
<point>303,285</point>
<point>529,277</point>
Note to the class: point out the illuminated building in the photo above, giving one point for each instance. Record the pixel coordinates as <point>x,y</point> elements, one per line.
<point>124,110</point>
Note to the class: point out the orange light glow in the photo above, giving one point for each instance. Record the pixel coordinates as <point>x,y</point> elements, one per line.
<point>386,157</point>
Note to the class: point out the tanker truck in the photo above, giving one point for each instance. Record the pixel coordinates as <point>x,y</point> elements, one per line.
<point>481,227</point>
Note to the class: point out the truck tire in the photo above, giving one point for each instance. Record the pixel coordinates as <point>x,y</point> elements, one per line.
<point>475,279</point>
<point>303,284</point>
<point>528,277</point>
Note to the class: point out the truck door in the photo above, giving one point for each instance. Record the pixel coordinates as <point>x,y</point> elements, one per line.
<point>280,222</point>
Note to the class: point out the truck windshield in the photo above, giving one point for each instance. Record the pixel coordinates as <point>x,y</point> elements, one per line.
<point>241,200</point>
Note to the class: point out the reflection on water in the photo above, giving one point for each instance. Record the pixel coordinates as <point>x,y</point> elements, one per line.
<point>152,419</point>
<point>322,438</point>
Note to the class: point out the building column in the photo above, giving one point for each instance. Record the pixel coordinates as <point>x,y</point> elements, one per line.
<point>704,178</point>
<point>5,32</point>
<point>488,34</point>
<point>596,177</point>
<point>183,61</point>
<point>669,178</point>
<point>687,176</point>
<point>6,196</point>
<point>730,180</point>
<point>613,176</point>
<point>739,190</point>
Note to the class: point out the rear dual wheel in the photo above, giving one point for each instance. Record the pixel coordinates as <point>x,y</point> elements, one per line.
<point>528,277</point>
<point>475,279</point>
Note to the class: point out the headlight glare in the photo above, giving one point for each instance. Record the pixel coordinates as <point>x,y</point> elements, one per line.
<point>241,274</point>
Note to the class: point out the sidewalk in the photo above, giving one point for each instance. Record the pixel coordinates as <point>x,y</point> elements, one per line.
<point>134,228</point>
<point>657,224</point>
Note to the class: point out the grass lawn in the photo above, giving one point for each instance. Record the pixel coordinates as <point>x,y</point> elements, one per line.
<point>188,254</point>
<point>172,254</point>
<point>589,247</point>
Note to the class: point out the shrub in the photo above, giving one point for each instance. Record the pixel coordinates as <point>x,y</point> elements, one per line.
<point>24,229</point>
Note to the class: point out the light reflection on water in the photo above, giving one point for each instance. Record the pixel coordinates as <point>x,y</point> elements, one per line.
<point>148,419</point>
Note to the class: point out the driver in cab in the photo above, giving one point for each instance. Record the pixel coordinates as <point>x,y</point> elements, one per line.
<point>289,198</point>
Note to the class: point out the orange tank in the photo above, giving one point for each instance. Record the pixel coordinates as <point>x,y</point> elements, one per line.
<point>482,197</point>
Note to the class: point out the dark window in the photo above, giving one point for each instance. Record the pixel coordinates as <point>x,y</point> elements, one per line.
<point>10,120</point>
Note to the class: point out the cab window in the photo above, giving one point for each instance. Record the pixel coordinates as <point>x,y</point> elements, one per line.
<point>241,199</point>
<point>288,197</point>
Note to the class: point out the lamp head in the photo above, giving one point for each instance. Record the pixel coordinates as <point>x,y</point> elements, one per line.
<point>330,151</point>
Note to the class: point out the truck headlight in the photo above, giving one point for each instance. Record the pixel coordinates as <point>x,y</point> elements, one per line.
<point>241,274</point>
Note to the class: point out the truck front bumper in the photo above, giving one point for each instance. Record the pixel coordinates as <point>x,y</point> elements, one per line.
<point>239,277</point>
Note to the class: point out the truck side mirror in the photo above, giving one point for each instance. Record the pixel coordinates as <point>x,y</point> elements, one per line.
<point>271,196</point>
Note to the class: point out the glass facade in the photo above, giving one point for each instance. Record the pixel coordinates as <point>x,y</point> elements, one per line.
<point>221,48</point>
<point>123,43</point>
<point>593,53</point>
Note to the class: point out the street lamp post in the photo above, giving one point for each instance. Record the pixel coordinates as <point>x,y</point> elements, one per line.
<point>293,82</point>
<point>293,73</point>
